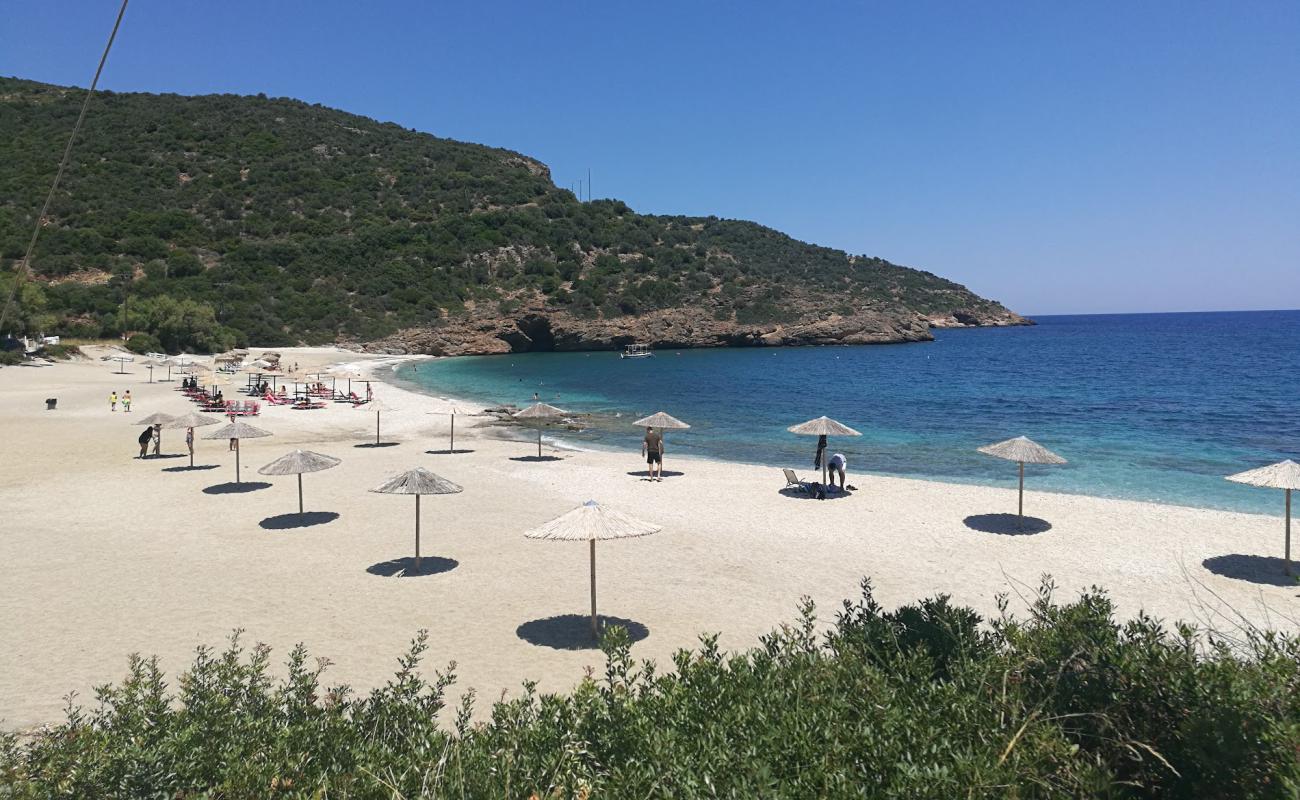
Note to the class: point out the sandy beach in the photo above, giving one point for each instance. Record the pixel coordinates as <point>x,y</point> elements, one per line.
<point>102,554</point>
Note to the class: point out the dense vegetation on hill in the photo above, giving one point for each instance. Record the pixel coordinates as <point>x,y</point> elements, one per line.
<point>928,701</point>
<point>227,219</point>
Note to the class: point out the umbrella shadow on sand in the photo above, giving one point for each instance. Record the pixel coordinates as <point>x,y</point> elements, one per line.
<point>535,458</point>
<point>236,488</point>
<point>645,474</point>
<point>376,444</point>
<point>800,494</point>
<point>1256,569</point>
<point>573,631</point>
<point>187,468</point>
<point>284,522</point>
<point>405,567</point>
<point>444,452</point>
<point>1007,524</point>
<point>152,457</point>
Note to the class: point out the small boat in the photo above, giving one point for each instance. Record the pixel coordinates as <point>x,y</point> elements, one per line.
<point>636,351</point>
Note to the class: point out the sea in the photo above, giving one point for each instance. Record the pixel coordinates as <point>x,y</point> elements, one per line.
<point>1156,407</point>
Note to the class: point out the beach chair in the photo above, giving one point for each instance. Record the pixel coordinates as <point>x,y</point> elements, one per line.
<point>792,481</point>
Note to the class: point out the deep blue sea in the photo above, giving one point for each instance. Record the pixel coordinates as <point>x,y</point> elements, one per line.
<point>1144,406</point>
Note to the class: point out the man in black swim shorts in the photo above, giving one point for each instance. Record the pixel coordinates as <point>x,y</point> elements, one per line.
<point>652,447</point>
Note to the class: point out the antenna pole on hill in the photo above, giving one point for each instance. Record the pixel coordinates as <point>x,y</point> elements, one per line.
<point>25,265</point>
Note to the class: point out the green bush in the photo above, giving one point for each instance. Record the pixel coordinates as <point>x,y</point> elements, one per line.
<point>926,701</point>
<point>143,343</point>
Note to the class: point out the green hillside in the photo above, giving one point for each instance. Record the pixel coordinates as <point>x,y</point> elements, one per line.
<point>233,219</point>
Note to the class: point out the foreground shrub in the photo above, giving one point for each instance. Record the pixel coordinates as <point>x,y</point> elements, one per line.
<point>928,700</point>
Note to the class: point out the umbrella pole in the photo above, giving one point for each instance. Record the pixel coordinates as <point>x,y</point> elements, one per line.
<point>595,629</point>
<point>1020,509</point>
<point>300,493</point>
<point>376,427</point>
<point>452,451</point>
<point>236,461</point>
<point>1288,531</point>
<point>417,533</point>
<point>539,442</point>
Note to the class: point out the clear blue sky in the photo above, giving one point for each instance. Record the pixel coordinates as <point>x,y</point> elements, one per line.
<point>1060,157</point>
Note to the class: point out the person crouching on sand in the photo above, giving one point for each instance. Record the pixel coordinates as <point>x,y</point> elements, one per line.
<point>837,466</point>
<point>652,450</point>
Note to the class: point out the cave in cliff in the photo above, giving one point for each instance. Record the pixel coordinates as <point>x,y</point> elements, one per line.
<point>533,335</point>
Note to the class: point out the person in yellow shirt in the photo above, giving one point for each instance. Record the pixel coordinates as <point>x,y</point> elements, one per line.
<point>112,401</point>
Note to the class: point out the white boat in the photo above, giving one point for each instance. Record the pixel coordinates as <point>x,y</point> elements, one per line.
<point>636,351</point>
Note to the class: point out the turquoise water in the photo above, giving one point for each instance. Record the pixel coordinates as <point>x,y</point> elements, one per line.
<point>1144,406</point>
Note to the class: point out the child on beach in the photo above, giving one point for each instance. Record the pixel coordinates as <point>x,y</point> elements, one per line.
<point>126,401</point>
<point>112,401</point>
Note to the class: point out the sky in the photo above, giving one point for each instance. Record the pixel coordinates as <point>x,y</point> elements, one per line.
<point>1093,157</point>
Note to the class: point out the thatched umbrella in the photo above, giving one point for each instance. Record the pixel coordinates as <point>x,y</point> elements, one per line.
<point>1025,451</point>
<point>1283,475</point>
<point>298,462</point>
<point>156,418</point>
<point>376,405</point>
<point>823,426</point>
<point>344,371</point>
<point>452,410</point>
<point>663,421</point>
<point>417,481</point>
<point>192,419</point>
<point>540,413</point>
<point>169,361</point>
<point>121,359</point>
<point>589,522</point>
<point>149,363</point>
<point>237,430</point>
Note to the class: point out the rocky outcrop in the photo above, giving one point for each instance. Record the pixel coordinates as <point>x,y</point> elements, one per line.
<point>995,317</point>
<point>544,329</point>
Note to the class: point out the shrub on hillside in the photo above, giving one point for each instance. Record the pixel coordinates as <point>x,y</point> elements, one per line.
<point>929,700</point>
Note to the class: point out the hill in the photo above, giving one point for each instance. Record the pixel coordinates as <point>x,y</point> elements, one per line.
<point>205,222</point>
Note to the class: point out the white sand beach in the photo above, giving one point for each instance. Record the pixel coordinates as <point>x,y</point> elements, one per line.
<point>102,554</point>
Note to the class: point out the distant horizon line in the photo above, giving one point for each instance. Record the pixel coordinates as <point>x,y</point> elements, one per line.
<point>1150,313</point>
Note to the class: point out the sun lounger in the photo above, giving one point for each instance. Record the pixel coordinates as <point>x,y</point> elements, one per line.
<point>792,481</point>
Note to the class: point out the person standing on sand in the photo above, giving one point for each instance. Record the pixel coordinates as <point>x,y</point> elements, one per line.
<point>126,401</point>
<point>652,450</point>
<point>112,401</point>
<point>145,436</point>
<point>189,441</point>
<point>157,439</point>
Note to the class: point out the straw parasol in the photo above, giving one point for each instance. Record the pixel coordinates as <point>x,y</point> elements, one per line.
<point>376,405</point>
<point>121,359</point>
<point>823,426</point>
<point>150,363</point>
<point>237,430</point>
<point>156,418</point>
<point>1283,475</point>
<point>298,462</point>
<point>349,372</point>
<point>589,522</point>
<point>663,421</point>
<point>452,410</point>
<point>541,413</point>
<point>1025,451</point>
<point>417,481</point>
<point>192,419</point>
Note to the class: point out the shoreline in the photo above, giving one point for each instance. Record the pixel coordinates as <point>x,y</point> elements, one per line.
<point>413,387</point>
<point>104,554</point>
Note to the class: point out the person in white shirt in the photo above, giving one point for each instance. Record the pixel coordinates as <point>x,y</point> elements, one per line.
<point>837,464</point>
